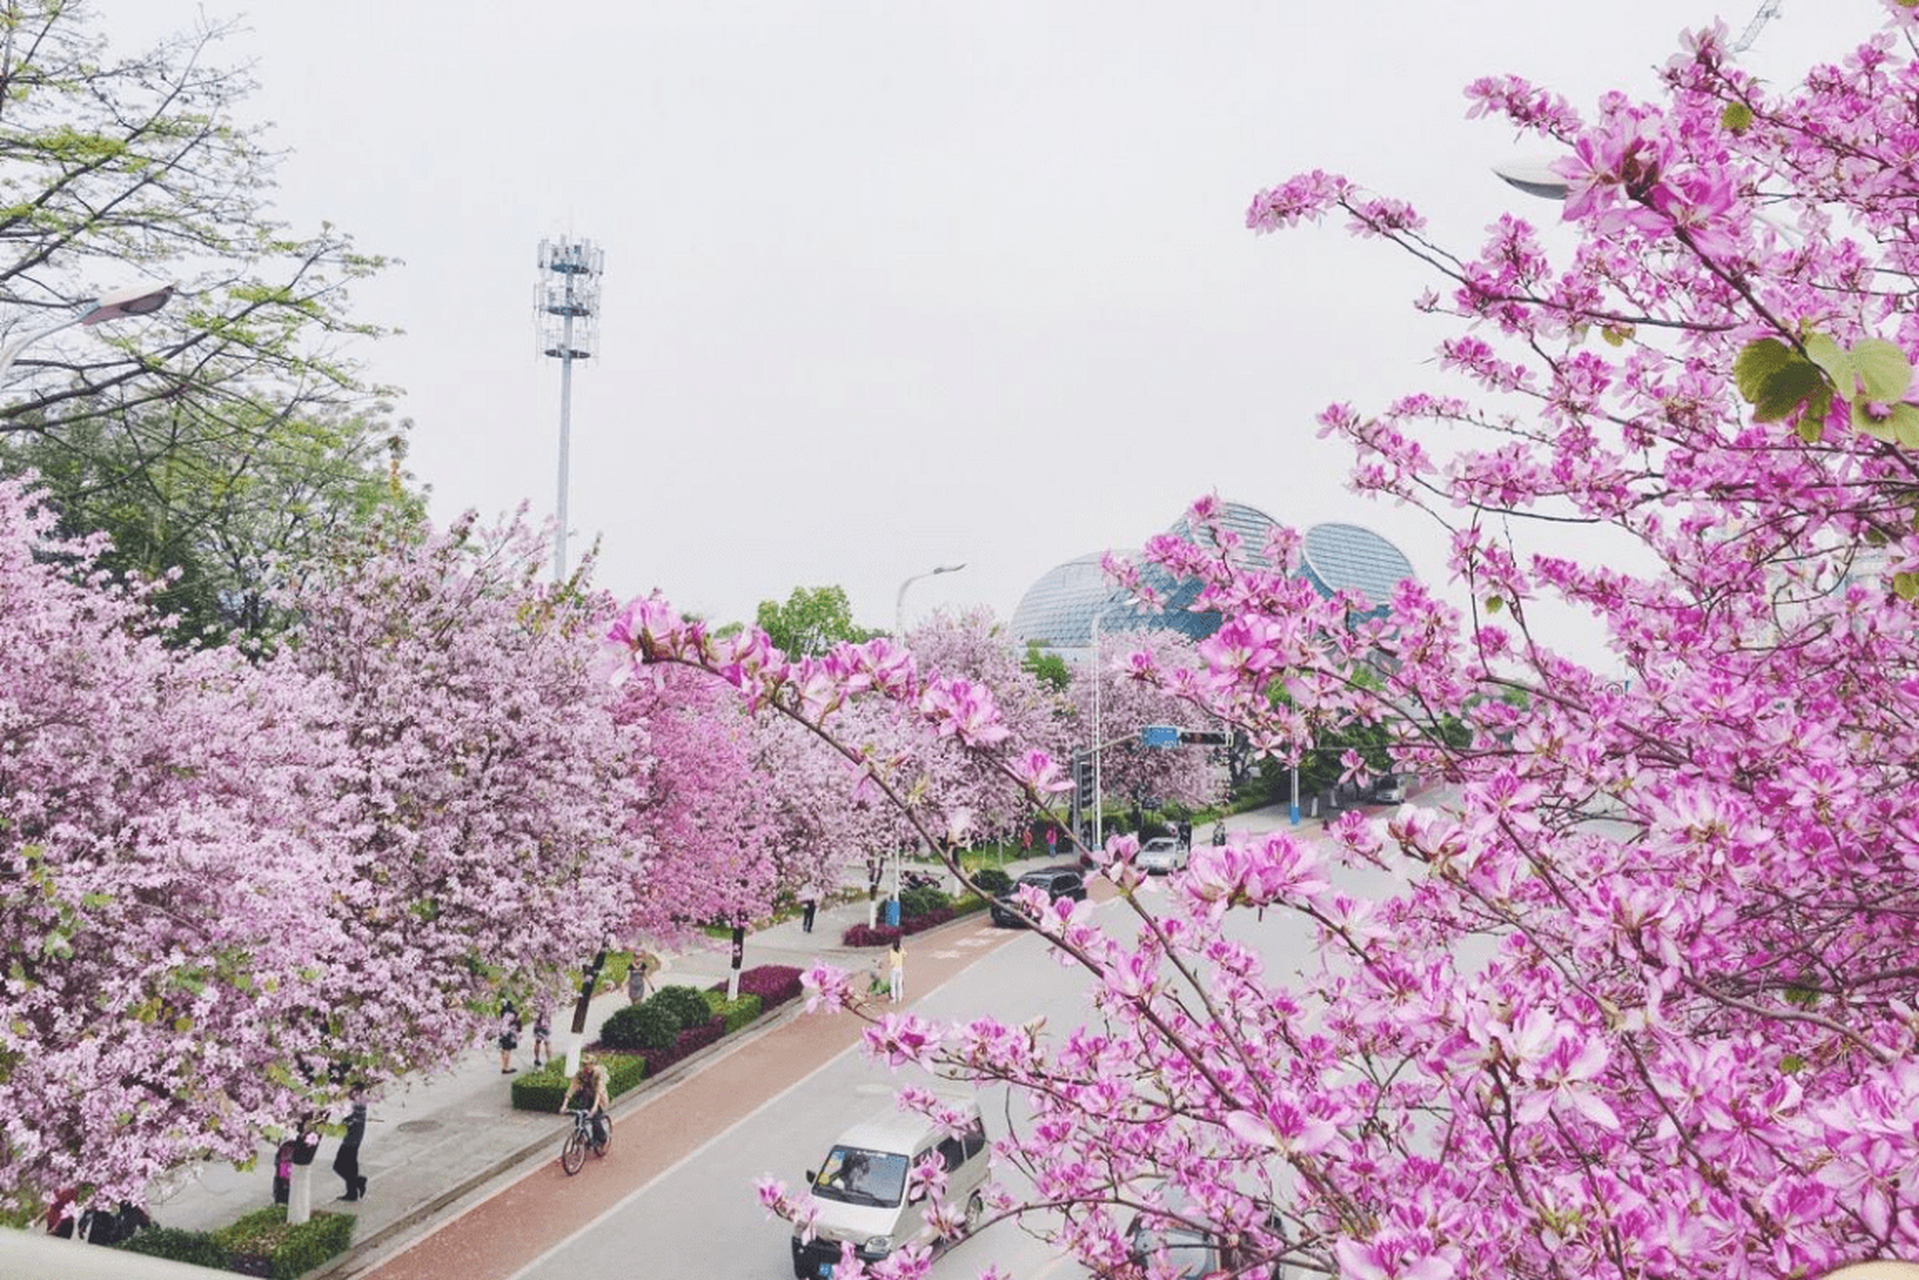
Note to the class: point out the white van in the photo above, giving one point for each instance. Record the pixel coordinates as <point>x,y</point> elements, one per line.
<point>861,1188</point>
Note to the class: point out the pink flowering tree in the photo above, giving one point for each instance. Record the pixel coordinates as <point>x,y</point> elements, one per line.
<point>702,805</point>
<point>1636,993</point>
<point>484,810</point>
<point>163,893</point>
<point>1134,692</point>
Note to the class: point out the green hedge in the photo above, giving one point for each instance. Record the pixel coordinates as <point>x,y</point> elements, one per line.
<point>196,1247</point>
<point>919,902</point>
<point>737,1013</point>
<point>542,1090</point>
<point>993,880</point>
<point>685,1003</point>
<point>260,1243</point>
<point>647,1025</point>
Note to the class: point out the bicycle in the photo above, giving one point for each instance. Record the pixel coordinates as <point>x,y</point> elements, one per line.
<point>573,1154</point>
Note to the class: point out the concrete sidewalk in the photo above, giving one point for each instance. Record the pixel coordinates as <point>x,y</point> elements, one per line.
<point>431,1141</point>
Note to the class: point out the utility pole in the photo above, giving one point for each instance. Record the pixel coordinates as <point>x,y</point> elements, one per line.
<point>566,303</point>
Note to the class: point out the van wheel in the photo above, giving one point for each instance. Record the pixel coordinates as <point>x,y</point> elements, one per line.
<point>975,1210</point>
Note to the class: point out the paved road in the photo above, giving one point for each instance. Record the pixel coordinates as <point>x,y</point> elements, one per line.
<point>535,1209</point>
<point>674,1196</point>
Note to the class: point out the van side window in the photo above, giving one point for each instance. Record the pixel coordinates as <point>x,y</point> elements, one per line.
<point>950,1154</point>
<point>974,1138</point>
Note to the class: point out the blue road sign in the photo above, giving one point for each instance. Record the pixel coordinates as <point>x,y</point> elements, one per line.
<point>1159,735</point>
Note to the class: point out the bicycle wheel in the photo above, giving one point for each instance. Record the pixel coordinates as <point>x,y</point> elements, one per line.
<point>606,1139</point>
<point>573,1154</point>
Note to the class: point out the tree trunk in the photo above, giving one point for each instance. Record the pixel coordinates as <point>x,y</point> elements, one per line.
<point>300,1195</point>
<point>590,979</point>
<point>739,957</point>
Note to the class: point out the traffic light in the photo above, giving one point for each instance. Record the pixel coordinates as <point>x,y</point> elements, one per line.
<point>1083,779</point>
<point>1201,738</point>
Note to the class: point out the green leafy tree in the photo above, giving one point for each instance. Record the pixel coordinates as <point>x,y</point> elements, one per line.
<point>224,517</point>
<point>812,620</point>
<point>1048,668</point>
<point>228,433</point>
<point>117,170</point>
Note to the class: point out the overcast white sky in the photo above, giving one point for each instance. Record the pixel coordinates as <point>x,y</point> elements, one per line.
<point>890,283</point>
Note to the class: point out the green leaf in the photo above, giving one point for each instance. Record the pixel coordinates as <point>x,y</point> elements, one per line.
<point>1831,357</point>
<point>1899,425</point>
<point>1810,429</point>
<point>1785,389</point>
<point>1759,360</point>
<point>1791,1063</point>
<point>1905,425</point>
<point>1905,585</point>
<point>1737,117</point>
<point>1884,372</point>
<point>1494,604</point>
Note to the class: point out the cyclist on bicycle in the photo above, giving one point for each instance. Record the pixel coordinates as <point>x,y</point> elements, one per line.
<point>590,1079</point>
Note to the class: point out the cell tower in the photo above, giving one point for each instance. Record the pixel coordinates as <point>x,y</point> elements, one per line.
<point>566,305</point>
<point>1768,10</point>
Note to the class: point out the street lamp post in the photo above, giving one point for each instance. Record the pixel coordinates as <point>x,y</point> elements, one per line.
<point>133,300</point>
<point>1099,793</point>
<point>899,630</point>
<point>899,601</point>
<point>1099,797</point>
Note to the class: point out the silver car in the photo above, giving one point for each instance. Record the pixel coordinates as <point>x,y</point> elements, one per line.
<point>1160,855</point>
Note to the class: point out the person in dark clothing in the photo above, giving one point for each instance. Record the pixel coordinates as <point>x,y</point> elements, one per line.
<point>509,1037</point>
<point>807,909</point>
<point>346,1162</point>
<point>283,1172</point>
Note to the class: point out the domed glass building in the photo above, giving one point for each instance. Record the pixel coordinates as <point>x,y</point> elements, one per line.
<point>1057,611</point>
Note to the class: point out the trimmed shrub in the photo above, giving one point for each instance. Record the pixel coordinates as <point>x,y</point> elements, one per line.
<point>993,881</point>
<point>968,905</point>
<point>928,920</point>
<point>879,935</point>
<point>734,1013</point>
<point>918,902</point>
<point>542,1090</point>
<point>196,1247</point>
<point>262,1244</point>
<point>647,1025</point>
<point>623,1071</point>
<point>774,984</point>
<point>689,1040</point>
<point>686,1003</point>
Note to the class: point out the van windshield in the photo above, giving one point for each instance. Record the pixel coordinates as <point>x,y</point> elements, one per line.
<point>855,1175</point>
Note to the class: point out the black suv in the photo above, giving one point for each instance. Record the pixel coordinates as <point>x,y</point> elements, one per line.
<point>1058,882</point>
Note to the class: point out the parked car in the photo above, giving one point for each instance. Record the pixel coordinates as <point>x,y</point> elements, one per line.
<point>1389,788</point>
<point>1058,882</point>
<point>1162,854</point>
<point>1190,1252</point>
<point>863,1194</point>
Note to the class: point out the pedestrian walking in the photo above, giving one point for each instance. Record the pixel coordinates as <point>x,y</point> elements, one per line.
<point>543,1034</point>
<point>636,983</point>
<point>510,1025</point>
<point>346,1162</point>
<point>808,907</point>
<point>897,963</point>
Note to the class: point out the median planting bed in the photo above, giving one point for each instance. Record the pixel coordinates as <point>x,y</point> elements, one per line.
<point>646,1038</point>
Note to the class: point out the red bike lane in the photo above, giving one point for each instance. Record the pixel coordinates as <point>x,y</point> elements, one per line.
<point>542,1206</point>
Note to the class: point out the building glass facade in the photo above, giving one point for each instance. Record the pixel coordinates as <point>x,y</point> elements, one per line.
<point>1057,611</point>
